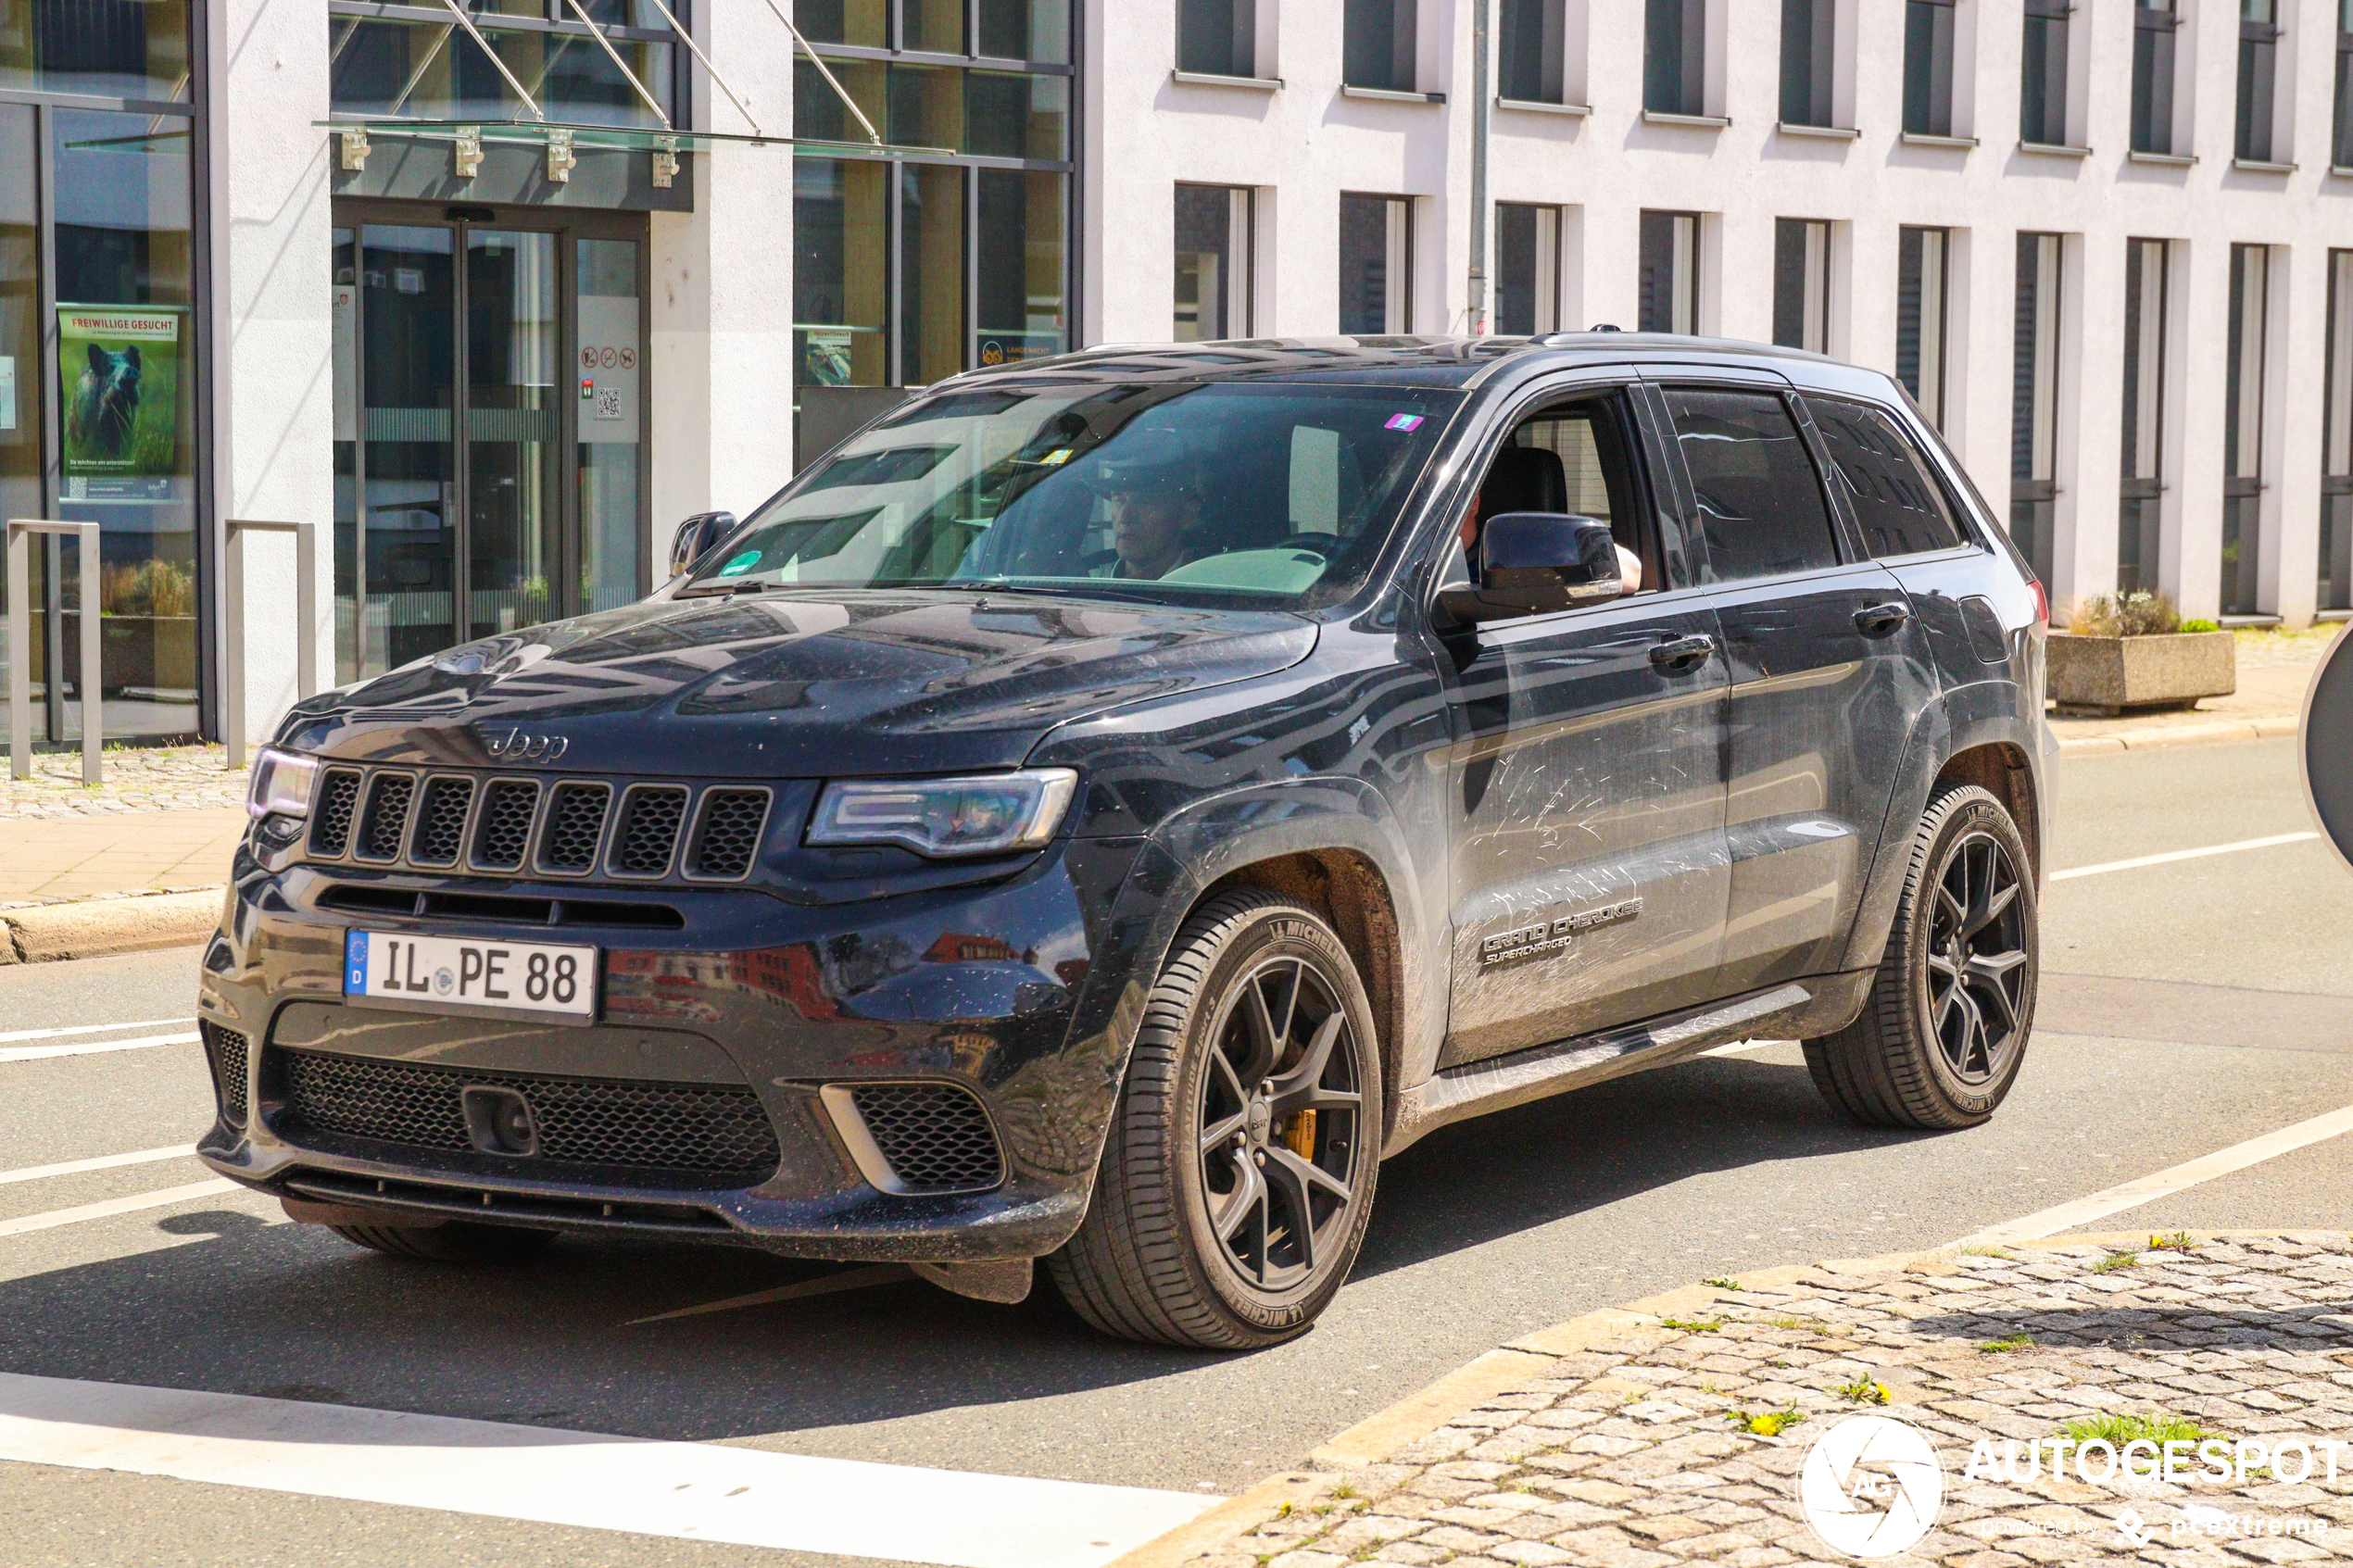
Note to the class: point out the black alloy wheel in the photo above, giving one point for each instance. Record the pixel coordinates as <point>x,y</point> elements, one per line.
<point>1977,959</point>
<point>1945,1026</point>
<point>1238,1177</point>
<point>1280,1124</point>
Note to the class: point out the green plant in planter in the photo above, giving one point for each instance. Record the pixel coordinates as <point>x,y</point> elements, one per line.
<point>2201,625</point>
<point>2136,614</point>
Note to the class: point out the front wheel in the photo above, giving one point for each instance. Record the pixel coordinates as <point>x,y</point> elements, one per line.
<point>1238,1178</point>
<point>1941,1039</point>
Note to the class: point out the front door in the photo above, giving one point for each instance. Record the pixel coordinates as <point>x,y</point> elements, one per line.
<point>1828,674</point>
<point>1588,787</point>
<point>488,431</point>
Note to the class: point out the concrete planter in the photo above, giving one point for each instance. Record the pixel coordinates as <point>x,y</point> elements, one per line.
<point>2106,675</point>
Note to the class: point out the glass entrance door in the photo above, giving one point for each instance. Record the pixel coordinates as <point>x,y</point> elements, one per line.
<point>458,345</point>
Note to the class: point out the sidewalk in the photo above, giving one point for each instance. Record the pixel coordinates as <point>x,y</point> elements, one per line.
<point>1678,1429</point>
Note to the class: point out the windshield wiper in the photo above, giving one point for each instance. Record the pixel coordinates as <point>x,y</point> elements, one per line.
<point>723,590</point>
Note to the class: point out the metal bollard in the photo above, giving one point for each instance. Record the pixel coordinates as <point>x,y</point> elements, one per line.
<point>233,641</point>
<point>20,532</point>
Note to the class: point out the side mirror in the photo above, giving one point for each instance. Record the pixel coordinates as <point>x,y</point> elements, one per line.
<point>1533,563</point>
<point>696,537</point>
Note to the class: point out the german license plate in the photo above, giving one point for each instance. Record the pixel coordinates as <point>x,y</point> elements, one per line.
<point>463,974</point>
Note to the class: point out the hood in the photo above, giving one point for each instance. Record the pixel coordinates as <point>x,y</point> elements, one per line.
<point>789,687</point>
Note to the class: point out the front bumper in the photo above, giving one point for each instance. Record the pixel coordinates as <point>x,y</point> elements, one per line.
<point>1013,991</point>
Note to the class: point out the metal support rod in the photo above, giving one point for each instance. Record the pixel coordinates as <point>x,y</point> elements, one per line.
<point>424,65</point>
<point>822,69</point>
<point>475,33</point>
<point>688,40</point>
<point>1481,110</point>
<point>93,734</point>
<point>233,641</point>
<point>614,55</point>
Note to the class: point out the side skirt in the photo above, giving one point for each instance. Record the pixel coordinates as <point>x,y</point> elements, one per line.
<point>1796,1009</point>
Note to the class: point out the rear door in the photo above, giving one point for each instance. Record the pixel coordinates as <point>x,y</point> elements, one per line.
<point>1826,674</point>
<point>1587,790</point>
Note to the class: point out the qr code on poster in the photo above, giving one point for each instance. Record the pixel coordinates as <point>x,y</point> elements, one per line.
<point>609,403</point>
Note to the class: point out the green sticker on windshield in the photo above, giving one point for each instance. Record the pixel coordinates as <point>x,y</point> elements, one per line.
<point>741,564</point>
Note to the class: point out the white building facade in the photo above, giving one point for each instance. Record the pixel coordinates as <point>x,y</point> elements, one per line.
<point>495,293</point>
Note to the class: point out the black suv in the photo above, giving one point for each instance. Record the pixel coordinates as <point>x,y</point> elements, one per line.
<point>1106,805</point>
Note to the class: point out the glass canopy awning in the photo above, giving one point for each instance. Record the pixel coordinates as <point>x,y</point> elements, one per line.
<point>562,140</point>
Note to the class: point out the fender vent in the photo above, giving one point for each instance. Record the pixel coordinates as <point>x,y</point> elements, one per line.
<point>224,1052</point>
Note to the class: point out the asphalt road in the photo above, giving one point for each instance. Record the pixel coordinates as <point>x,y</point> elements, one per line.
<point>2187,1007</point>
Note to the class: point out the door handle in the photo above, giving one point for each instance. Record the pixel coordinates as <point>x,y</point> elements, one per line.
<point>1878,621</point>
<point>1680,655</point>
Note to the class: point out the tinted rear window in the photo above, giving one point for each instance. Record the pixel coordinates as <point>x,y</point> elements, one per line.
<point>1899,507</point>
<point>1760,503</point>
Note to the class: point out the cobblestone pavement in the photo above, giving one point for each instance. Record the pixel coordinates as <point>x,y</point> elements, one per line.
<point>175,778</point>
<point>1656,1442</point>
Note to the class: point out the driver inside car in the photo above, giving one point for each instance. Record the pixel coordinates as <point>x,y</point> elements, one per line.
<point>1154,501</point>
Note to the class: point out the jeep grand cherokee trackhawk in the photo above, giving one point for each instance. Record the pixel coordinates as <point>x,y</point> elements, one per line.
<point>1101,810</point>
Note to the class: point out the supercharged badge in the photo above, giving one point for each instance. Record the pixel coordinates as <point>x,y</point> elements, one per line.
<point>1554,936</point>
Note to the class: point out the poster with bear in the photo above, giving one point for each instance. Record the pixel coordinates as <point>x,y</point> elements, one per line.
<point>119,374</point>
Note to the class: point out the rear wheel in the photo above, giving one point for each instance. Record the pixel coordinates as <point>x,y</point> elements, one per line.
<point>1238,1178</point>
<point>1942,1036</point>
<point>456,1241</point>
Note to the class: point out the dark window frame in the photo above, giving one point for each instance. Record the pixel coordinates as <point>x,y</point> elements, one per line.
<point>2141,485</point>
<point>1912,240</point>
<point>1217,37</point>
<point>1928,50</point>
<point>2156,40</point>
<point>2035,415</point>
<point>2336,440</point>
<point>2045,63</point>
<point>1809,62</point>
<point>1379,44</point>
<point>1791,240</point>
<point>1675,57</point>
<point>1531,69</point>
<point>2256,112</point>
<point>1650,223</point>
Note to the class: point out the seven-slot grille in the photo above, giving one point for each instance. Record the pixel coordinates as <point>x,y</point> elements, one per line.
<point>510,826</point>
<point>714,1130</point>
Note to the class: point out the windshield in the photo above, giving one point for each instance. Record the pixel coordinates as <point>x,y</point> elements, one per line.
<point>1279,496</point>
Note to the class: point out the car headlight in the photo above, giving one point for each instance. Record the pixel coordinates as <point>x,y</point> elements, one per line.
<point>983,814</point>
<point>281,785</point>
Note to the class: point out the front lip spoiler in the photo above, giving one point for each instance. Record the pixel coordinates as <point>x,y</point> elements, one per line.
<point>480,1205</point>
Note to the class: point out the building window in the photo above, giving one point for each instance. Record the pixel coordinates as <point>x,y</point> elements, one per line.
<point>1377,44</point>
<point>2341,138</point>
<point>103,351</point>
<point>2138,532</point>
<point>2155,28</point>
<point>1669,272</point>
<point>2337,465</point>
<point>1922,257</point>
<point>1802,284</point>
<point>417,65</point>
<point>2243,429</point>
<point>1532,51</point>
<point>906,272</point>
<point>2034,402</point>
<point>1213,248</point>
<point>2042,109</point>
<point>1375,265</point>
<point>1675,57</point>
<point>1527,268</point>
<point>2259,70</point>
<point>1807,60</point>
<point>1928,67</point>
<point>1217,37</point>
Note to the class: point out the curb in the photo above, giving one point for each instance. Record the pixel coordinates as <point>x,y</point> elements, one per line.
<point>1378,1436</point>
<point>92,928</point>
<point>2182,735</point>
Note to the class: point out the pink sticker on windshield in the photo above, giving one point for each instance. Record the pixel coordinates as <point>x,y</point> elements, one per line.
<point>1404,422</point>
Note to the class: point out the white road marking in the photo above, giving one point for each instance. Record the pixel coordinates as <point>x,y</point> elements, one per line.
<point>91,1048</point>
<point>2170,856</point>
<point>848,1279</point>
<point>98,1163</point>
<point>2147,1189</point>
<point>693,1491</point>
<point>88,1029</point>
<point>113,1206</point>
